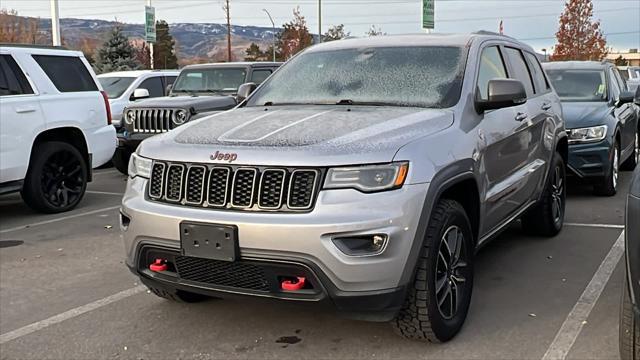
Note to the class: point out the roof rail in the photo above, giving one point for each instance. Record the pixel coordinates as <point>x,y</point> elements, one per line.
<point>486,32</point>
<point>33,46</point>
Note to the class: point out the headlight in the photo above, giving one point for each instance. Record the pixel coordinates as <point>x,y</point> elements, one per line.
<point>368,178</point>
<point>590,134</point>
<point>139,166</point>
<point>180,117</point>
<point>130,117</point>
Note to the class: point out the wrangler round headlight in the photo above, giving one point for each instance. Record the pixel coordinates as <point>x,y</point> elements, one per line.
<point>130,117</point>
<point>180,117</point>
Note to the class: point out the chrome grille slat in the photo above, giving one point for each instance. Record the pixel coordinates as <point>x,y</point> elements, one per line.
<point>153,121</point>
<point>232,187</point>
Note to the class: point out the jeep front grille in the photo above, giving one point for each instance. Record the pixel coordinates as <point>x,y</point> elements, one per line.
<point>234,187</point>
<point>153,120</point>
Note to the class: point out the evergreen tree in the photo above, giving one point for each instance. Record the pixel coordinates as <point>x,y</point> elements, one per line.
<point>335,32</point>
<point>374,31</point>
<point>621,61</point>
<point>116,54</point>
<point>253,53</point>
<point>294,36</point>
<point>164,53</point>
<point>579,38</point>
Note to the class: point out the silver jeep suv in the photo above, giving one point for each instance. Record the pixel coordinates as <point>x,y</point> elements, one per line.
<point>363,173</point>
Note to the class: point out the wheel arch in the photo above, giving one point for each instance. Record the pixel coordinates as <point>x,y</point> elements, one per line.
<point>70,135</point>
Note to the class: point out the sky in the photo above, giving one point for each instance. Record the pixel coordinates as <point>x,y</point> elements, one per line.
<point>533,21</point>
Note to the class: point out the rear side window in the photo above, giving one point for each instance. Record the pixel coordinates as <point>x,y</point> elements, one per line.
<point>154,86</point>
<point>540,82</point>
<point>68,73</point>
<point>520,70</point>
<point>258,76</point>
<point>12,79</point>
<point>491,67</point>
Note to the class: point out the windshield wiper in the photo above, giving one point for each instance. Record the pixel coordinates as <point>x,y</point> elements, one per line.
<point>365,103</point>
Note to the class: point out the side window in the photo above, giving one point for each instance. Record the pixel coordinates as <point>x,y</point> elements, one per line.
<point>520,70</point>
<point>622,84</point>
<point>491,67</point>
<point>540,81</point>
<point>169,80</point>
<point>154,86</point>
<point>616,88</point>
<point>12,79</point>
<point>68,73</point>
<point>258,76</point>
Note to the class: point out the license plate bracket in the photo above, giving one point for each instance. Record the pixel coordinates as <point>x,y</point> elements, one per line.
<point>209,241</point>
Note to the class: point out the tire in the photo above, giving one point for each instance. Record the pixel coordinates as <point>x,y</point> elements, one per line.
<point>629,327</point>
<point>547,217</point>
<point>421,317</point>
<point>56,179</point>
<point>177,295</point>
<point>120,160</point>
<point>609,185</point>
<point>634,159</point>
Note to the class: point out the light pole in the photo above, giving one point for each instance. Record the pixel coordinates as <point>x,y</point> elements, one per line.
<point>151,60</point>
<point>319,21</point>
<point>55,23</point>
<point>273,24</point>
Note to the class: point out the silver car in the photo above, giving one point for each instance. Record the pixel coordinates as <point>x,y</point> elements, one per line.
<point>363,173</point>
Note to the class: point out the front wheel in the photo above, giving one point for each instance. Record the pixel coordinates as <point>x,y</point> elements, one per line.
<point>609,185</point>
<point>438,299</point>
<point>547,217</point>
<point>56,179</point>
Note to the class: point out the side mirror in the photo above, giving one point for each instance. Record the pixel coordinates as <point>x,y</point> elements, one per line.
<point>140,93</point>
<point>502,93</point>
<point>625,98</point>
<point>167,91</point>
<point>245,90</point>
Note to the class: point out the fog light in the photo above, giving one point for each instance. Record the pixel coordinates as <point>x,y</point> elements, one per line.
<point>361,245</point>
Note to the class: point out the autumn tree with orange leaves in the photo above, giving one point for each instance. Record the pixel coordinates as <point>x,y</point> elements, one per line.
<point>579,37</point>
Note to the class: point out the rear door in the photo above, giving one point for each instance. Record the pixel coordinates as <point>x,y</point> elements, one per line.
<point>154,86</point>
<point>21,119</point>
<point>627,115</point>
<point>505,154</point>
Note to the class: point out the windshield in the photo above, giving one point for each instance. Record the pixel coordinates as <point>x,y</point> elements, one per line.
<point>220,80</point>
<point>115,86</point>
<point>397,76</point>
<point>579,84</point>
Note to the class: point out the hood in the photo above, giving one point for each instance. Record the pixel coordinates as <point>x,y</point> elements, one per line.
<point>299,135</point>
<point>584,114</point>
<point>197,103</point>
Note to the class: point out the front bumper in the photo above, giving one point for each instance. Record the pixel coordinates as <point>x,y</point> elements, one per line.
<point>590,160</point>
<point>301,239</point>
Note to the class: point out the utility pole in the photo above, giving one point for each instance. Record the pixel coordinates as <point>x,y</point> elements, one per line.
<point>226,8</point>
<point>150,44</point>
<point>273,24</point>
<point>55,23</point>
<point>319,20</point>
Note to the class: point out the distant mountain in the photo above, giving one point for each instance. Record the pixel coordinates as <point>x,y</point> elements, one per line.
<point>194,40</point>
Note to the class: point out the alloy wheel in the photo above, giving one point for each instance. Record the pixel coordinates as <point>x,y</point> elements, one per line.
<point>62,179</point>
<point>637,148</point>
<point>557,195</point>
<point>616,166</point>
<point>450,274</point>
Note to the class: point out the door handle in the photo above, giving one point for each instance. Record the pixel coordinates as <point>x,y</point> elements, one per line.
<point>521,116</point>
<point>25,109</point>
<point>546,106</point>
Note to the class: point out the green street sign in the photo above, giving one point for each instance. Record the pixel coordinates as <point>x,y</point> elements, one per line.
<point>428,14</point>
<point>149,24</point>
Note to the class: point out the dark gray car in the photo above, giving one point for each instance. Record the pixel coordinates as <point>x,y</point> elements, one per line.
<point>630,311</point>
<point>365,174</point>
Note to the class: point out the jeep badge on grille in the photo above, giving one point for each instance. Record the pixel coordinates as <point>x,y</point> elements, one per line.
<point>230,157</point>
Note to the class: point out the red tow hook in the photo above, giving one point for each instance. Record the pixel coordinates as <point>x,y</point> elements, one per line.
<point>158,265</point>
<point>290,285</point>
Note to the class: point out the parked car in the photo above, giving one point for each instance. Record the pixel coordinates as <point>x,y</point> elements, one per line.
<point>199,91</point>
<point>631,74</point>
<point>124,87</point>
<point>601,118</point>
<point>55,126</point>
<point>364,173</point>
<point>630,309</point>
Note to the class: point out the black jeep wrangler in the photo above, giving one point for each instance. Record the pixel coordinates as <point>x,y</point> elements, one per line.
<point>199,90</point>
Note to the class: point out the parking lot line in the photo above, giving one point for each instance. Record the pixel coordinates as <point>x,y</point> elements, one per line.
<point>604,226</point>
<point>573,324</point>
<point>21,227</point>
<point>39,325</point>
<point>104,193</point>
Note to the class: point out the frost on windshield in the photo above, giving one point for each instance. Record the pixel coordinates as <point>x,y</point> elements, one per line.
<point>405,76</point>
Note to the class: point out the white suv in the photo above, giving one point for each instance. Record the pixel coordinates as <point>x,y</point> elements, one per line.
<point>123,87</point>
<point>55,126</point>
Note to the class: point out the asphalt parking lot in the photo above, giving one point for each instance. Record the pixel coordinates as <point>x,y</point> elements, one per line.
<point>66,294</point>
